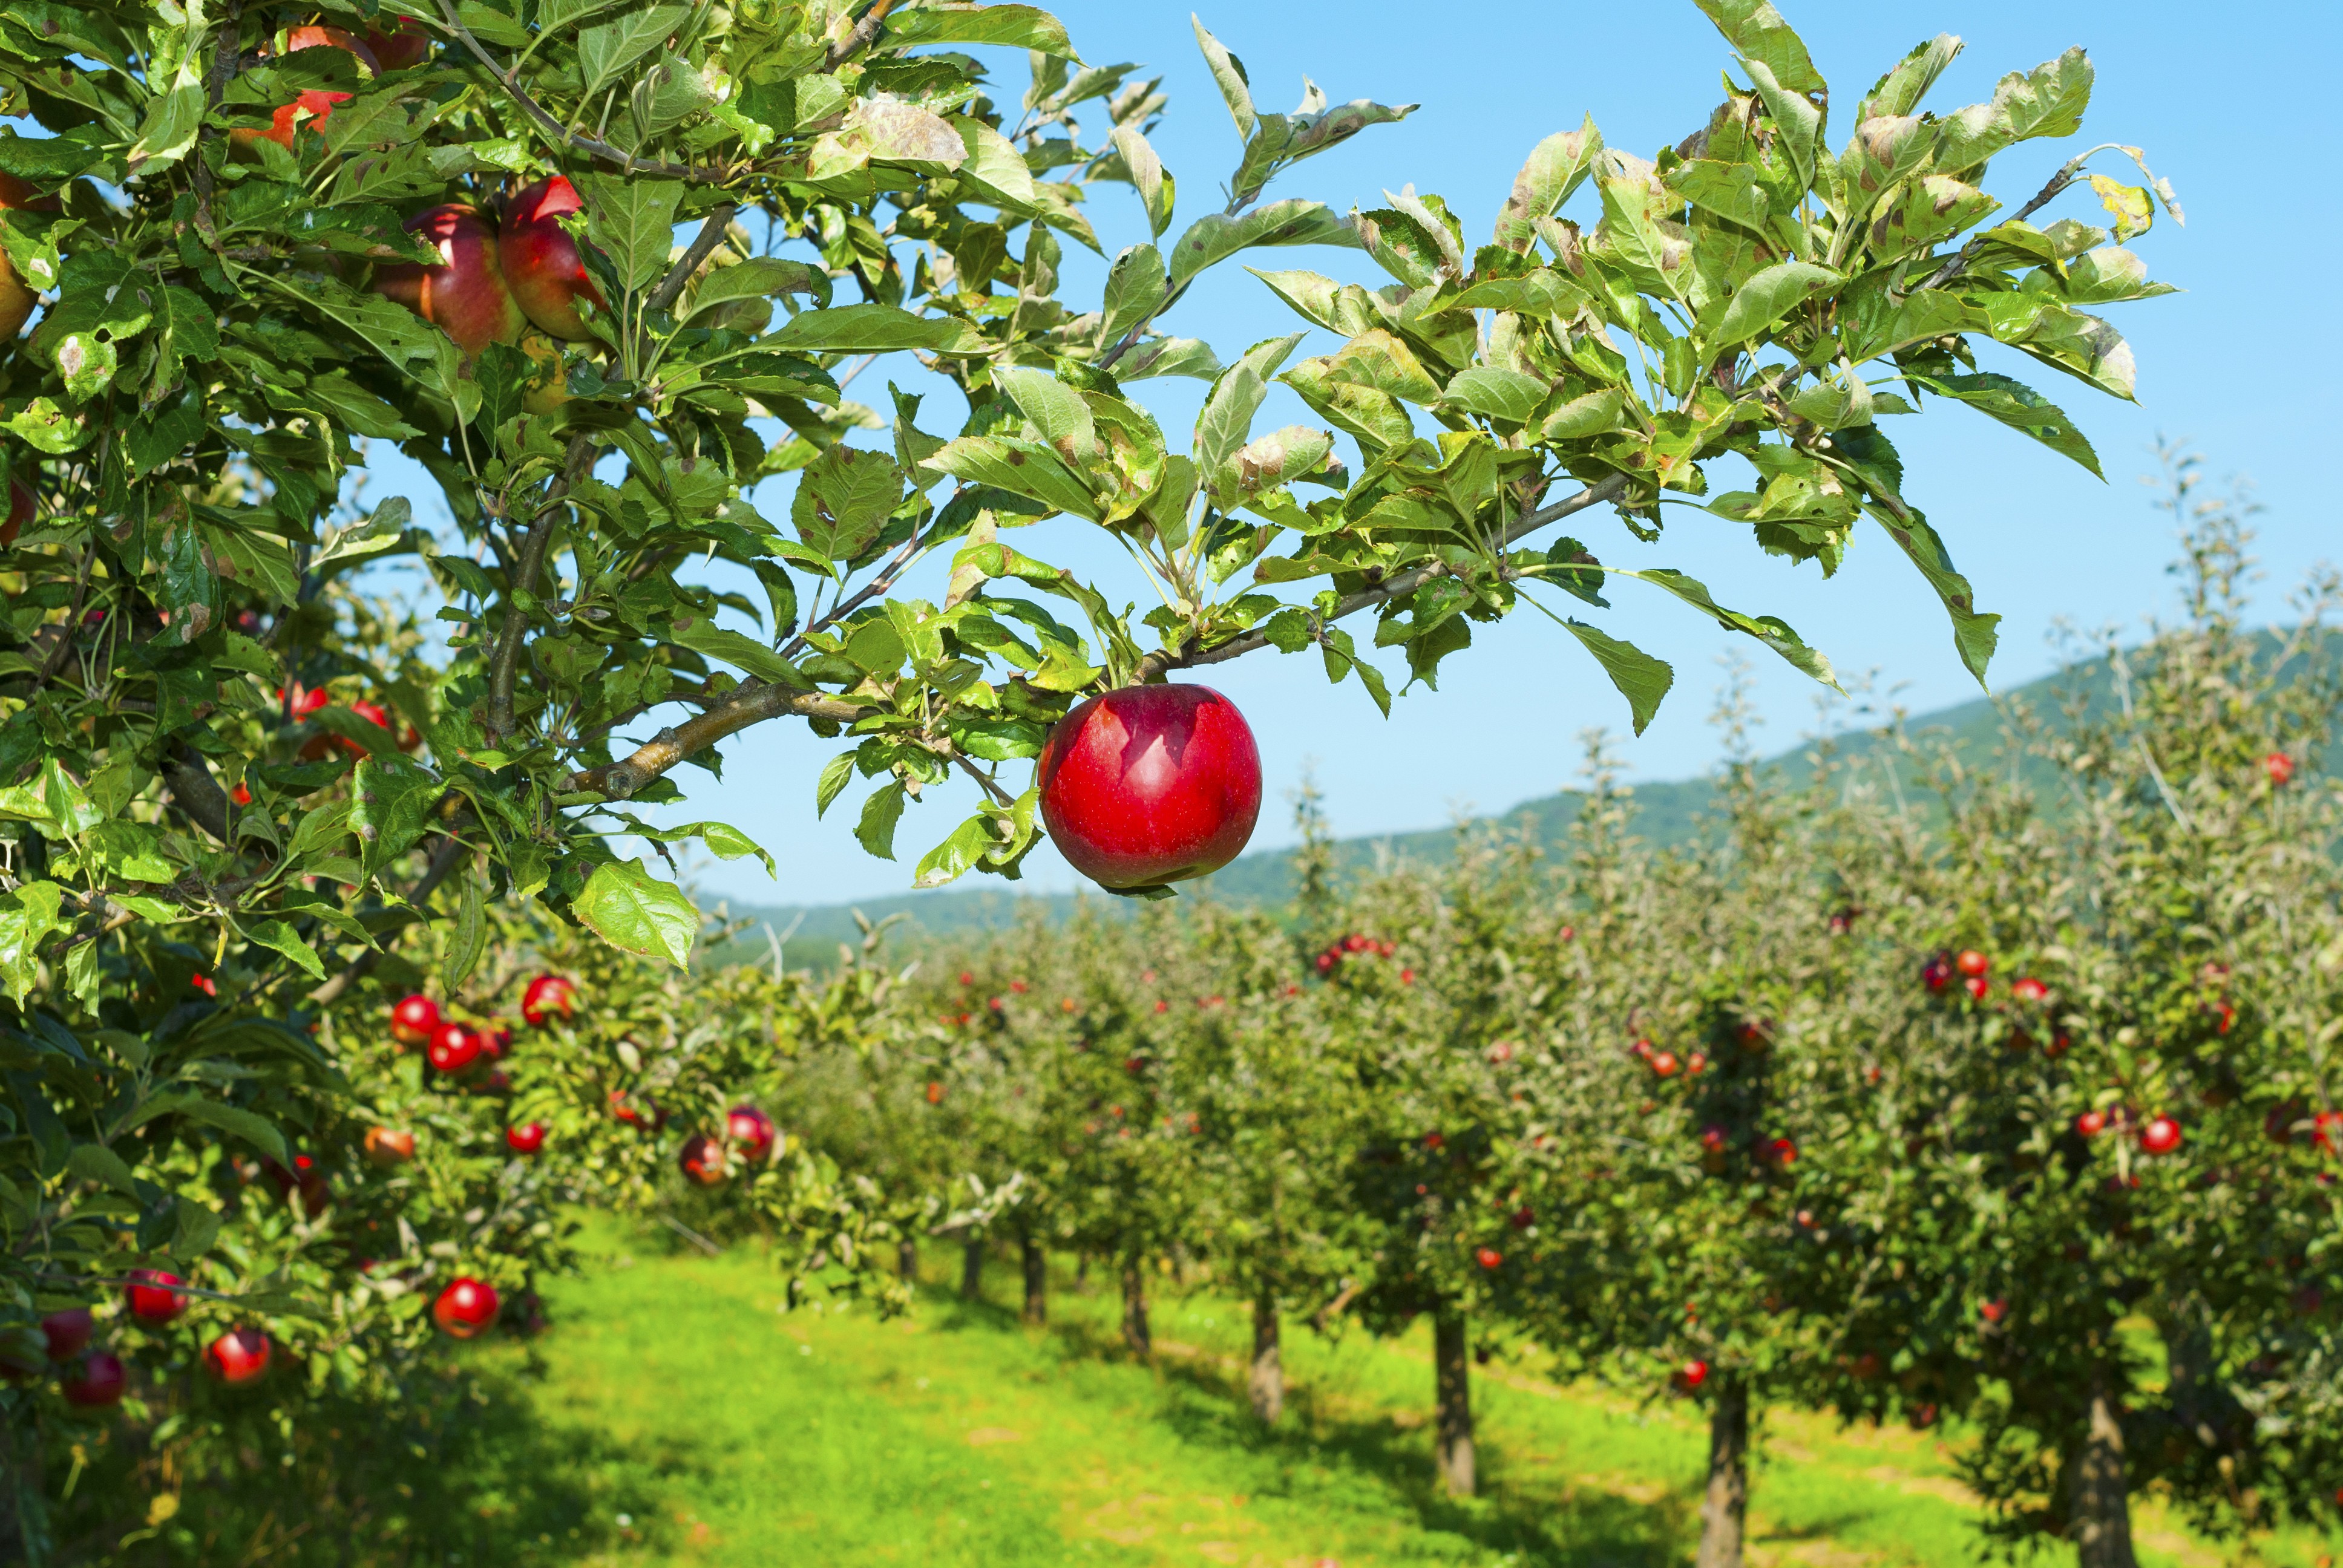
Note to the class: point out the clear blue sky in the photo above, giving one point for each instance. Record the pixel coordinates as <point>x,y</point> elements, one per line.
<point>2226,101</point>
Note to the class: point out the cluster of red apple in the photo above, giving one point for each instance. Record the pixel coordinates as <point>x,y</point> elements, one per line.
<point>750,1132</point>
<point>1356,945</point>
<point>1665,1064</point>
<point>455,1049</point>
<point>1969,964</point>
<point>95,1378</point>
<point>2157,1134</point>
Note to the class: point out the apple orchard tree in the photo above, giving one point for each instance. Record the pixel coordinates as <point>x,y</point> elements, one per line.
<point>241,240</point>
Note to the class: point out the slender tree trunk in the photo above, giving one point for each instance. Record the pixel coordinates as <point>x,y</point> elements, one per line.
<point>1037,1277</point>
<point>971,1271</point>
<point>1135,1309</point>
<point>1081,1273</point>
<point>1724,1512</point>
<point>1267,1383</point>
<point>1452,1371</point>
<point>2102,1501</point>
<point>907,1260</point>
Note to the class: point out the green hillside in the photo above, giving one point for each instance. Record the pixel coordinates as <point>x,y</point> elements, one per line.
<point>1666,813</point>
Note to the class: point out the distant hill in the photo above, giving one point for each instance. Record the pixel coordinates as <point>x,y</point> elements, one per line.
<point>1666,813</point>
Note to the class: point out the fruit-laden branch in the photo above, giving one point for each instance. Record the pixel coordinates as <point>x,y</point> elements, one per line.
<point>756,701</point>
<point>1163,661</point>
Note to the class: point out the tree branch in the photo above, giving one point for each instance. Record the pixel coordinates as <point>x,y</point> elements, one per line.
<point>504,669</point>
<point>444,860</point>
<point>198,794</point>
<point>859,38</point>
<point>703,245</point>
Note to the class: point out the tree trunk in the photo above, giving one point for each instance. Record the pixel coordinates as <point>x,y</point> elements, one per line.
<point>1081,1273</point>
<point>1135,1309</point>
<point>2102,1503</point>
<point>1267,1382</point>
<point>907,1260</point>
<point>971,1271</point>
<point>1452,1371</point>
<point>1037,1279</point>
<point>1725,1513</point>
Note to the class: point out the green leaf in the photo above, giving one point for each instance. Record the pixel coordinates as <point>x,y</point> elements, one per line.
<point>637,912</point>
<point>740,652</point>
<point>1264,463</point>
<point>991,169</point>
<point>843,500</point>
<point>633,219</point>
<point>1292,221</point>
<point>468,936</point>
<point>1225,422</point>
<point>1975,635</point>
<point>281,936</point>
<point>1642,679</point>
<point>1134,291</point>
<point>605,50</point>
<point>169,129</point>
<point>876,830</point>
<point>1899,92</point>
<point>1055,409</point>
<point>835,773</point>
<point>872,329</point>
<point>1773,633</point>
<point>2020,407</point>
<point>1185,357</point>
<point>96,1162</point>
<point>1157,189</point>
<point>1758,32</point>
<point>27,917</point>
<point>1554,169</point>
<point>757,278</point>
<point>1229,71</point>
<point>1494,392</point>
<point>950,860</point>
<point>257,1130</point>
<point>1022,467</point>
<point>1767,296</point>
<point>2047,101</point>
<point>955,22</point>
<point>1379,361</point>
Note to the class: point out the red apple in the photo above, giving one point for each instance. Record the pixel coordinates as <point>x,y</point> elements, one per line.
<point>315,106</point>
<point>97,1382</point>
<point>1691,1375</point>
<point>66,1333</point>
<point>237,1357</point>
<point>2160,1136</point>
<point>1937,974</point>
<point>623,1106</point>
<point>2029,989</point>
<point>17,297</point>
<point>1151,784</point>
<point>1972,962</point>
<point>1664,1063</point>
<point>465,295</point>
<point>1976,986</point>
<point>152,1296</point>
<point>2091,1123</point>
<point>2280,767</point>
<point>540,259</point>
<point>526,1138</point>
<point>1993,1310</point>
<point>1784,1151</point>
<point>751,1132</point>
<point>1525,1218</point>
<point>388,1147</point>
<point>22,505</point>
<point>936,1090</point>
<point>702,1160</point>
<point>548,996</point>
<point>413,1018</point>
<point>405,47</point>
<point>1488,1257</point>
<point>1697,1063</point>
<point>466,1308</point>
<point>453,1047</point>
<point>1712,1138</point>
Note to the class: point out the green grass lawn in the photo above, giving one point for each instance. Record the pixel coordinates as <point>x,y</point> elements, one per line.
<point>675,1415</point>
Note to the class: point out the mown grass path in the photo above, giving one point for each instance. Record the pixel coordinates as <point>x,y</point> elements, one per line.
<point>711,1428</point>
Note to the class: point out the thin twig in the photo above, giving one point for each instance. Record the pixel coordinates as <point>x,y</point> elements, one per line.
<point>504,669</point>
<point>444,861</point>
<point>859,38</point>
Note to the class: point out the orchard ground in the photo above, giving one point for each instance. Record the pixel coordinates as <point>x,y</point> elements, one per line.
<point>674,1413</point>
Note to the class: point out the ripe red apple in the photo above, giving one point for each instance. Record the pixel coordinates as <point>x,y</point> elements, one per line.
<point>466,1308</point>
<point>1784,1151</point>
<point>540,259</point>
<point>1691,1375</point>
<point>304,1178</point>
<point>2280,767</point>
<point>413,1018</point>
<point>548,996</point>
<point>1697,1063</point>
<point>2160,1136</point>
<point>238,1357</point>
<point>315,106</point>
<point>152,1296</point>
<point>2029,989</point>
<point>936,1090</point>
<point>702,1160</point>
<point>1972,963</point>
<point>526,1138</point>
<point>97,1382</point>
<point>1993,1310</point>
<point>22,505</point>
<point>1937,974</point>
<point>406,45</point>
<point>1524,1218</point>
<point>465,295</point>
<point>2091,1123</point>
<point>17,297</point>
<point>752,1132</point>
<point>1151,784</point>
<point>1976,986</point>
<point>453,1047</point>
<point>66,1333</point>
<point>1712,1138</point>
<point>1488,1257</point>
<point>622,1106</point>
<point>1664,1063</point>
<point>390,1146</point>
<point>1433,1141</point>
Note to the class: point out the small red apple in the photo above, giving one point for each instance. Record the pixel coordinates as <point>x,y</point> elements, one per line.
<point>1433,1141</point>
<point>1488,1257</point>
<point>1972,963</point>
<point>1697,1063</point>
<point>389,1146</point>
<point>548,997</point>
<point>2091,1123</point>
<point>1976,986</point>
<point>68,1332</point>
<point>540,259</point>
<point>1151,784</point>
<point>1937,974</point>
<point>315,106</point>
<point>466,1308</point>
<point>453,1048</point>
<point>465,295</point>
<point>623,1107</point>
<point>1664,1063</point>
<point>1524,1218</point>
<point>936,1090</point>
<point>2279,769</point>
<point>412,1020</point>
<point>752,1132</point>
<point>1993,1310</point>
<point>152,1296</point>
<point>1784,1151</point>
<point>702,1160</point>
<point>2029,990</point>
<point>405,47</point>
<point>2160,1136</point>
<point>1691,1375</point>
<point>1712,1138</point>
<point>97,1382</point>
<point>239,1356</point>
<point>526,1138</point>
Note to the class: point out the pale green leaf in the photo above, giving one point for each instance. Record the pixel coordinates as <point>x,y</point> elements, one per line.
<point>637,912</point>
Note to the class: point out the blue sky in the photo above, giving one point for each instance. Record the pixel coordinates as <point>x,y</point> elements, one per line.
<point>2233,366</point>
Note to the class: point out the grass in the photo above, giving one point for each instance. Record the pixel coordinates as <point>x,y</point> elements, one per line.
<point>674,1415</point>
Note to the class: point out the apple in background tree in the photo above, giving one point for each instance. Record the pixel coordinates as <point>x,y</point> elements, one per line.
<point>389,1147</point>
<point>2029,989</point>
<point>16,296</point>
<point>623,1106</point>
<point>527,1139</point>
<point>315,106</point>
<point>66,1333</point>
<point>1936,973</point>
<point>540,259</point>
<point>412,1020</point>
<point>2280,767</point>
<point>238,1357</point>
<point>1488,1257</point>
<point>453,1047</point>
<point>405,47</point>
<point>466,1308</point>
<point>1690,1376</point>
<point>465,295</point>
<point>2160,1136</point>
<point>1973,963</point>
<point>152,1296</point>
<point>1151,784</point>
<point>548,996</point>
<point>752,1132</point>
<point>97,1382</point>
<point>702,1160</point>
<point>2091,1123</point>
